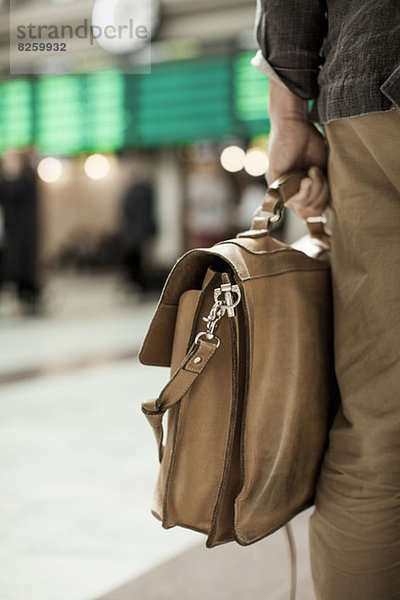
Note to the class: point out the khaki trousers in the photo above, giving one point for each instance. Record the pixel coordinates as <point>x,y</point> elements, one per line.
<point>355,529</point>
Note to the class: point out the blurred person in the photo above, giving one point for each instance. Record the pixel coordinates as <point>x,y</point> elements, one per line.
<point>346,55</point>
<point>137,227</point>
<point>19,200</point>
<point>211,210</point>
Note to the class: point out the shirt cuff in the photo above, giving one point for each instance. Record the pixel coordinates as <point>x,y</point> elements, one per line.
<point>259,62</point>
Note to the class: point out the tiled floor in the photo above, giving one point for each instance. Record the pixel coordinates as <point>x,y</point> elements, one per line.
<point>78,464</point>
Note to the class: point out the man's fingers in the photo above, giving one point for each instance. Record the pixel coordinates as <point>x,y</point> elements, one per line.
<point>312,188</point>
<point>313,196</point>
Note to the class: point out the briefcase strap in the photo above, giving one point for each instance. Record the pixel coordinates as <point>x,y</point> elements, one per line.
<point>271,210</point>
<point>196,359</point>
<point>194,363</point>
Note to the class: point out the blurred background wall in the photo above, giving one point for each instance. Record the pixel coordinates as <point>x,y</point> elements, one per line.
<point>201,98</point>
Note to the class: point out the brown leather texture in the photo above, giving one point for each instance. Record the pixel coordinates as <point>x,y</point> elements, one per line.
<point>248,417</point>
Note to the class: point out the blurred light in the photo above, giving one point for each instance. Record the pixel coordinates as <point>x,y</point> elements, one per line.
<point>97,166</point>
<point>232,159</point>
<point>50,169</point>
<point>121,26</point>
<point>256,162</point>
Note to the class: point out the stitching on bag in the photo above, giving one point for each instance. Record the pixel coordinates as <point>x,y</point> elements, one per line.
<point>179,369</point>
<point>309,269</point>
<point>262,252</point>
<point>208,354</point>
<point>230,434</point>
<point>207,358</point>
<point>167,512</point>
<point>180,396</point>
<point>242,440</point>
<point>197,370</point>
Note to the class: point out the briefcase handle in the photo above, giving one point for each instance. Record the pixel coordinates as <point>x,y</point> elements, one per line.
<point>271,210</point>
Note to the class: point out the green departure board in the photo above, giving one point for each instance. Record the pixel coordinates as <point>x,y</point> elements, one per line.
<point>207,98</point>
<point>60,114</point>
<point>105,111</point>
<point>78,113</point>
<point>16,114</point>
<point>180,102</point>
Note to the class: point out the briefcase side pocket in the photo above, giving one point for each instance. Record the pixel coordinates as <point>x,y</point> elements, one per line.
<point>183,325</point>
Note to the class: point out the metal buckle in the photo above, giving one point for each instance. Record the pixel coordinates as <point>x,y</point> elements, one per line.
<point>218,310</point>
<point>230,305</point>
<point>269,216</point>
<point>209,336</point>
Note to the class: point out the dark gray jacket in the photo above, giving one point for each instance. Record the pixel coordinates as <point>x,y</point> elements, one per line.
<point>343,53</point>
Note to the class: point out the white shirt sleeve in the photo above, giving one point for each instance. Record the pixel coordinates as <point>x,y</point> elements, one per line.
<point>259,62</point>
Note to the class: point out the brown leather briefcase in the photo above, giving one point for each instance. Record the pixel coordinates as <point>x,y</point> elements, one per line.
<point>246,327</point>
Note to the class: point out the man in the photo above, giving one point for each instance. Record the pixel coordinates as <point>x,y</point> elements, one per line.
<point>345,55</point>
<point>137,226</point>
<point>18,197</point>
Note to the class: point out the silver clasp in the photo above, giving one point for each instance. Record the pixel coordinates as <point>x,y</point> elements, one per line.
<point>219,308</point>
<point>227,289</point>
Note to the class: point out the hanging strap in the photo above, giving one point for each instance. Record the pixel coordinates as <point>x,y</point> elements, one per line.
<point>184,377</point>
<point>196,359</point>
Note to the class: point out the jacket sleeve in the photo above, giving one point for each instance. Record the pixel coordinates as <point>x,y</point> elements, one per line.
<point>290,34</point>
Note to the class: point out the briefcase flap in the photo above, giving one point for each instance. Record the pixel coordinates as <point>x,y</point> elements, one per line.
<point>247,257</point>
<point>189,273</point>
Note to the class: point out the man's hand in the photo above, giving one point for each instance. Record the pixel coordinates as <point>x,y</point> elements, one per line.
<point>295,143</point>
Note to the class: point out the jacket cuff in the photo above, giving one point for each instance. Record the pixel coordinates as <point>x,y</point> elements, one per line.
<point>258,61</point>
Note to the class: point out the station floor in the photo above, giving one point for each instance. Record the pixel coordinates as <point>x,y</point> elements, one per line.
<point>78,464</point>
